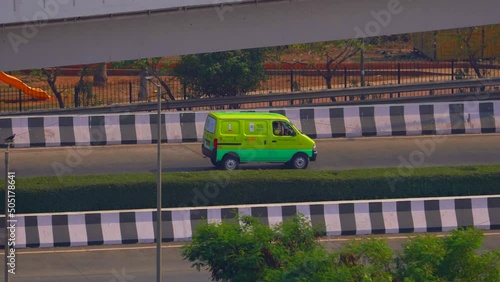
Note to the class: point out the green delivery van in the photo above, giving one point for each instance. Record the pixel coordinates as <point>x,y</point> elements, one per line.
<point>232,138</point>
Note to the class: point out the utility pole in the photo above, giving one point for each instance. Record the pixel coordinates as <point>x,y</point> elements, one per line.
<point>362,61</point>
<point>8,141</point>
<point>158,184</point>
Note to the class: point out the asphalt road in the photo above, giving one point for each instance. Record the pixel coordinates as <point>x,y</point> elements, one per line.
<point>137,262</point>
<point>334,154</point>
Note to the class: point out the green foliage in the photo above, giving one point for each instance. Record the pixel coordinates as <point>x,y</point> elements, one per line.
<point>222,74</point>
<point>210,188</point>
<point>247,250</point>
<point>451,258</point>
<point>366,260</point>
<point>229,250</point>
<point>421,258</point>
<point>153,63</point>
<point>314,264</point>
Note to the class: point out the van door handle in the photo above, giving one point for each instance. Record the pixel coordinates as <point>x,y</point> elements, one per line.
<point>265,142</point>
<point>274,141</point>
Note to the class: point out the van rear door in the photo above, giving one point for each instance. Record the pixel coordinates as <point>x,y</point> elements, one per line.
<point>209,133</point>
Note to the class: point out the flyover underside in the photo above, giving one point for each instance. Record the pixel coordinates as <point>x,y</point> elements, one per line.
<point>231,27</point>
<point>16,12</point>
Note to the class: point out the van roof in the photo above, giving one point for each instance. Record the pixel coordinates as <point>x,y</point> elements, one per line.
<point>247,115</point>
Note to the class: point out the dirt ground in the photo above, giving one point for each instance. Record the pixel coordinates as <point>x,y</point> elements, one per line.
<point>388,52</point>
<point>123,89</point>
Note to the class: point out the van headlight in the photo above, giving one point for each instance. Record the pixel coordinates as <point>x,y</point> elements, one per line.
<point>314,148</point>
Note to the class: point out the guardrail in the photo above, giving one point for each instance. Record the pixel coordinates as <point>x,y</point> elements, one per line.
<point>355,95</point>
<point>343,218</point>
<point>436,118</point>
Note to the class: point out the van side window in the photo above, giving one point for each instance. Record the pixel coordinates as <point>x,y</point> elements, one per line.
<point>281,128</point>
<point>288,129</point>
<point>210,124</point>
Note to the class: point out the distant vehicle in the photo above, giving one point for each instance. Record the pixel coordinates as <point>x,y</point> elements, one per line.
<point>232,138</point>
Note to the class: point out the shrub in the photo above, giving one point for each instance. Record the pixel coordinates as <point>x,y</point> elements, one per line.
<point>247,250</point>
<point>214,188</point>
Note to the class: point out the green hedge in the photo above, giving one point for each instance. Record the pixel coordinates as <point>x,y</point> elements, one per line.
<point>137,191</point>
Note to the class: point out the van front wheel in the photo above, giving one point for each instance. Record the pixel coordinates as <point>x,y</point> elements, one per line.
<point>299,161</point>
<point>230,162</point>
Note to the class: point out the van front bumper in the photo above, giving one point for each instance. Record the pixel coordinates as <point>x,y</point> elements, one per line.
<point>315,154</point>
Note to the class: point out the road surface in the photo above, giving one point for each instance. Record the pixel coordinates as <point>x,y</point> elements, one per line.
<point>137,262</point>
<point>334,154</point>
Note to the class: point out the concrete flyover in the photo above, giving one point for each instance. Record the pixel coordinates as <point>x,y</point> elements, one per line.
<point>46,33</point>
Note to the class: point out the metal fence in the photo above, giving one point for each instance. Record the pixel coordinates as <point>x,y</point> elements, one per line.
<point>463,90</point>
<point>278,81</point>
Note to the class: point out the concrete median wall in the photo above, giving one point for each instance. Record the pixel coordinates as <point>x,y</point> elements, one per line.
<point>317,122</point>
<point>337,218</point>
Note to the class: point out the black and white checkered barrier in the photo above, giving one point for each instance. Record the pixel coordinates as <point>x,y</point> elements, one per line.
<point>338,218</point>
<point>317,122</point>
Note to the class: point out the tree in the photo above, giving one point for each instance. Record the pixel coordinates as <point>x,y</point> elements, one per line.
<point>470,48</point>
<point>84,87</point>
<point>472,43</point>
<point>331,53</point>
<point>222,74</point>
<point>100,74</point>
<point>250,251</point>
<point>451,258</point>
<point>148,67</point>
<point>51,76</point>
<point>247,250</point>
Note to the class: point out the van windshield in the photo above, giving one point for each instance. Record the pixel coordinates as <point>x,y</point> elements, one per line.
<point>210,124</point>
<point>296,128</point>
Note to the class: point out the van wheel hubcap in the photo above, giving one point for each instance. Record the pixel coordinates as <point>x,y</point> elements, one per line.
<point>230,164</point>
<point>300,162</point>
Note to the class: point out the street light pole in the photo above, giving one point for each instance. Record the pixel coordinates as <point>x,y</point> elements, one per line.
<point>9,141</point>
<point>362,63</point>
<point>158,184</point>
<point>6,241</point>
<point>158,192</point>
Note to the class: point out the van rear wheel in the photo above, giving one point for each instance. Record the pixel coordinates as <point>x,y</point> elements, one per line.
<point>299,161</point>
<point>230,162</point>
